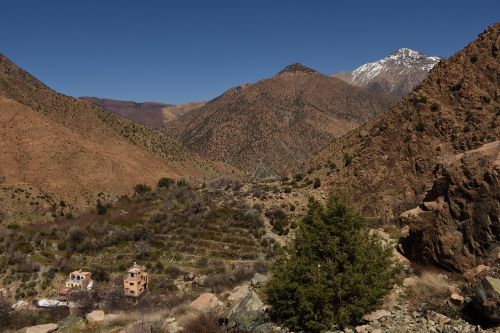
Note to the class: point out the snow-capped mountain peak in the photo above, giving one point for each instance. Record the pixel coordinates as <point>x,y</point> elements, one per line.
<point>397,73</point>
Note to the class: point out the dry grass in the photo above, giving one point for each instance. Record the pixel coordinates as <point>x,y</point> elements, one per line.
<point>126,317</point>
<point>431,292</point>
<point>203,322</point>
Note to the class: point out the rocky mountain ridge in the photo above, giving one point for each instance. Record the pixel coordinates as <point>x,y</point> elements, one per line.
<point>267,127</point>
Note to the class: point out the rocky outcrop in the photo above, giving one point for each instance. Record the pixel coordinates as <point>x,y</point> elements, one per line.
<point>249,314</point>
<point>457,226</point>
<point>487,298</point>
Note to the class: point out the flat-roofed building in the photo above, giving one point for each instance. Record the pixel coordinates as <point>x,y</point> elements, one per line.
<point>79,279</point>
<point>136,282</point>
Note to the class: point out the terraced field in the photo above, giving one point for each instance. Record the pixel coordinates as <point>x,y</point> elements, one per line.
<point>201,230</point>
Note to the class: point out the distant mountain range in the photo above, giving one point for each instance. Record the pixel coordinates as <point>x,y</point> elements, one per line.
<point>267,127</point>
<point>395,74</point>
<point>150,114</point>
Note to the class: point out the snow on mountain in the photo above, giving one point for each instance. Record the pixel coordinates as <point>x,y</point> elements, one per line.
<point>396,74</point>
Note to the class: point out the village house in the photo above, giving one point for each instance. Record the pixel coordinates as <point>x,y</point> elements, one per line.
<point>79,279</point>
<point>136,282</point>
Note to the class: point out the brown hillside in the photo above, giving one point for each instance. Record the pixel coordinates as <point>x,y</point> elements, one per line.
<point>84,117</point>
<point>55,147</point>
<point>454,110</point>
<point>267,127</point>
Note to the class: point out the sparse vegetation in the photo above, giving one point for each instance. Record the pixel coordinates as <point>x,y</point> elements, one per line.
<point>420,126</point>
<point>348,159</point>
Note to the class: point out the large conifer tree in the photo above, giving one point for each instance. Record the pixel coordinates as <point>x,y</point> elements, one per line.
<point>332,273</point>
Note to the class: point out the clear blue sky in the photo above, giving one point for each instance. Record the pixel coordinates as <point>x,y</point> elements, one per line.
<point>180,51</point>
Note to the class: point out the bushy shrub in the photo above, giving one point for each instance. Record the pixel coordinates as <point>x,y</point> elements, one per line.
<point>420,126</point>
<point>348,159</point>
<point>100,208</point>
<point>141,189</point>
<point>166,182</point>
<point>278,220</point>
<point>332,273</point>
<point>317,183</point>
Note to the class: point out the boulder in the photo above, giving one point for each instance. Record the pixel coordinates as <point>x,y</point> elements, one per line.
<point>376,315</point>
<point>456,298</point>
<point>47,328</point>
<point>248,313</point>
<point>487,298</point>
<point>259,280</point>
<point>95,316</point>
<point>457,224</point>
<point>205,302</point>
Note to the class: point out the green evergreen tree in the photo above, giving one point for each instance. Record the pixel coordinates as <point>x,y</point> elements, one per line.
<point>332,273</point>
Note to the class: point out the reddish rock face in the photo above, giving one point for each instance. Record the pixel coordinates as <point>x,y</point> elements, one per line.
<point>457,227</point>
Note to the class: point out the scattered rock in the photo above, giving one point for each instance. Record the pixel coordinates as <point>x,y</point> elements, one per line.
<point>477,274</point>
<point>174,328</point>
<point>363,329</point>
<point>376,315</point>
<point>47,328</point>
<point>487,298</point>
<point>200,280</point>
<point>95,316</point>
<point>259,280</point>
<point>169,320</point>
<point>437,318</point>
<point>205,302</point>
<point>409,282</point>
<point>456,298</point>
